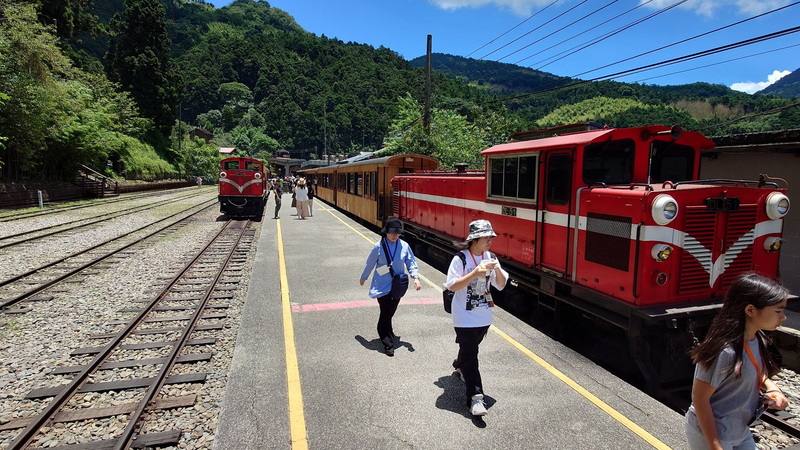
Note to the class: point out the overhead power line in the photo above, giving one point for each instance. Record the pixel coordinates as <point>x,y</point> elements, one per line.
<point>581,33</point>
<point>597,10</point>
<point>714,64</point>
<point>715,30</point>
<point>586,44</point>
<point>531,31</point>
<point>670,61</point>
<point>512,28</point>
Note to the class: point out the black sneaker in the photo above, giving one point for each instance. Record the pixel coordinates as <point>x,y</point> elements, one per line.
<point>388,346</point>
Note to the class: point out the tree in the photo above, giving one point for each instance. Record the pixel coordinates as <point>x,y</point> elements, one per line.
<point>138,58</point>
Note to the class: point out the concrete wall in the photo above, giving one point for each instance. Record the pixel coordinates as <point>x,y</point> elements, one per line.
<point>784,165</point>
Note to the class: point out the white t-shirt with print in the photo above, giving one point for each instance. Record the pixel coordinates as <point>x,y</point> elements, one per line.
<point>477,292</point>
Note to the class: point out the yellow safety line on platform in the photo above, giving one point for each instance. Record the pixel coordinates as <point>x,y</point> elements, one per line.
<point>297,420</point>
<point>605,407</point>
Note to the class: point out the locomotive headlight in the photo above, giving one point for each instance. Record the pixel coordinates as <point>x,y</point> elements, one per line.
<point>665,209</point>
<point>661,252</point>
<point>773,244</point>
<point>223,174</point>
<point>777,205</point>
<point>257,176</point>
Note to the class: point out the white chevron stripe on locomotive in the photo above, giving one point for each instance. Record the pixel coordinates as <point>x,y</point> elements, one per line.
<point>647,233</point>
<point>237,186</point>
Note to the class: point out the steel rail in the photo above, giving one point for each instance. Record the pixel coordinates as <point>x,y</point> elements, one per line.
<point>128,434</point>
<point>105,217</point>
<point>29,433</point>
<point>780,423</point>
<point>101,202</point>
<point>36,290</point>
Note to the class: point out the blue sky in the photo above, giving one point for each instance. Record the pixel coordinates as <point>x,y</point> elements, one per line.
<point>461,26</point>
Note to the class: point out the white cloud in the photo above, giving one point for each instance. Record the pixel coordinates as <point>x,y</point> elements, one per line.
<point>709,7</point>
<point>518,7</point>
<point>752,87</point>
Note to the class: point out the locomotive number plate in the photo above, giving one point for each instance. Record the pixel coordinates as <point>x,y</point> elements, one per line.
<point>509,211</point>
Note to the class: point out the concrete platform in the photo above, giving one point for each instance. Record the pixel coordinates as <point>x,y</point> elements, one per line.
<point>355,397</point>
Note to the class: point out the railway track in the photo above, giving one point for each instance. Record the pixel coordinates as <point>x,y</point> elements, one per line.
<point>25,215</point>
<point>27,285</point>
<point>26,235</point>
<point>208,280</point>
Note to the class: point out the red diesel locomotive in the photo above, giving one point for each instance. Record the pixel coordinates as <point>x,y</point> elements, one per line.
<point>242,187</point>
<point>608,224</point>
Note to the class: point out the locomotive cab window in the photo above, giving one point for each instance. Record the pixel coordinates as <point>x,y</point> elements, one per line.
<point>609,162</point>
<point>670,161</point>
<point>252,165</point>
<point>513,177</point>
<point>231,165</point>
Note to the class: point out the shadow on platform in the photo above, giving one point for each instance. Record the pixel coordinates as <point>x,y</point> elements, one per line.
<point>453,399</point>
<point>377,345</point>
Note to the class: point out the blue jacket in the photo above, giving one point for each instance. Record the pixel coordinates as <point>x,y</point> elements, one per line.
<point>403,258</point>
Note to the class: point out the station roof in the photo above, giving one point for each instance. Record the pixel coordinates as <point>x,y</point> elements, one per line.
<point>567,140</point>
<point>227,150</point>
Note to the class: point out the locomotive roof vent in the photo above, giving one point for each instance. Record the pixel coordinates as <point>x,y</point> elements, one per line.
<point>461,168</point>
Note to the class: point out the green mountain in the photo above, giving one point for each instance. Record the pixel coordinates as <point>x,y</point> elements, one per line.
<point>788,86</point>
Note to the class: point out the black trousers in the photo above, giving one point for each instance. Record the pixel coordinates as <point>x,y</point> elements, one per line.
<point>277,206</point>
<point>468,340</point>
<point>388,307</point>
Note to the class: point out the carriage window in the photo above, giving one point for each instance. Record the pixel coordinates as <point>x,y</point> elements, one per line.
<point>359,183</point>
<point>671,162</point>
<point>252,165</point>
<point>373,183</point>
<point>513,177</point>
<point>609,162</point>
<point>231,165</point>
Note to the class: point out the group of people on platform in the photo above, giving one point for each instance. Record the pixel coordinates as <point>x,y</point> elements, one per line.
<point>734,364</point>
<point>303,193</point>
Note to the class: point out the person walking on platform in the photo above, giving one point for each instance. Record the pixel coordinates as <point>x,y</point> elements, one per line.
<point>278,192</point>
<point>312,192</point>
<point>734,364</point>
<point>388,262</point>
<point>470,276</point>
<point>301,195</point>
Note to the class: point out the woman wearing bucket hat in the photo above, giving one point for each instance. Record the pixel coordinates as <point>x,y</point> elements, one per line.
<point>389,259</point>
<point>470,278</point>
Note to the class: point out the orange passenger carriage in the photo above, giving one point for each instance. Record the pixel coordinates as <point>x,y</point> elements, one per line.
<point>242,187</point>
<point>609,224</point>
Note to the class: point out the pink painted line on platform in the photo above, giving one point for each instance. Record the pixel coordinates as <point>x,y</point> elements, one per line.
<point>314,307</point>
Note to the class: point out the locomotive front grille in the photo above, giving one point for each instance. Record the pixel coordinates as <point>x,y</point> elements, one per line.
<point>705,242</point>
<point>700,223</point>
<point>739,238</point>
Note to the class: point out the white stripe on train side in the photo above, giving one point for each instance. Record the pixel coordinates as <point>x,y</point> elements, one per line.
<point>647,233</point>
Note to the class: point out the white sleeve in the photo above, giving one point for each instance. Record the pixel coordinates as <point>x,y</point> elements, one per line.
<point>494,277</point>
<point>455,272</point>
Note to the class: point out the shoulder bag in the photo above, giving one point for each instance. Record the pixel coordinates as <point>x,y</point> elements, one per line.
<point>399,280</point>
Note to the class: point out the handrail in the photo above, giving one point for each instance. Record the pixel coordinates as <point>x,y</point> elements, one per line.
<point>726,181</point>
<point>89,177</point>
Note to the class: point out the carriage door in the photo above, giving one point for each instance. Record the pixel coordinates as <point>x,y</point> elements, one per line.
<point>557,203</point>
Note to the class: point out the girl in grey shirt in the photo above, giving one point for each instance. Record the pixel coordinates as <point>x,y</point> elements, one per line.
<point>733,367</point>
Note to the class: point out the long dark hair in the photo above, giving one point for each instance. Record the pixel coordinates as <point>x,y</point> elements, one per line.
<point>728,326</point>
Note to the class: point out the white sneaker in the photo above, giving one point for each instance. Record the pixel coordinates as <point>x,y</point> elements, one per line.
<point>478,408</point>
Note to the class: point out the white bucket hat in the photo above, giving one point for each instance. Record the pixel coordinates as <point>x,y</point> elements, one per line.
<point>480,228</point>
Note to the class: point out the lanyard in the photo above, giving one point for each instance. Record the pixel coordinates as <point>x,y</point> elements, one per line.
<point>757,366</point>
<point>391,253</point>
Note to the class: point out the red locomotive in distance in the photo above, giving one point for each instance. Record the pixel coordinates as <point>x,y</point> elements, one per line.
<point>242,187</point>
<point>609,224</point>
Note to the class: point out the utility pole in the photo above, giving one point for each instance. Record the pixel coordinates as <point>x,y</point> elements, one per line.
<point>426,117</point>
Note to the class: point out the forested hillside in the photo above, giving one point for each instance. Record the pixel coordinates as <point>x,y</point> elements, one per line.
<point>788,86</point>
<point>123,81</point>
